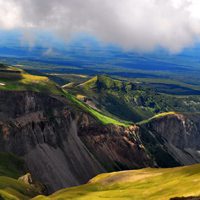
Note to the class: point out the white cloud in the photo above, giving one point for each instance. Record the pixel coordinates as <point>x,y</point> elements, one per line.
<point>10,15</point>
<point>133,24</point>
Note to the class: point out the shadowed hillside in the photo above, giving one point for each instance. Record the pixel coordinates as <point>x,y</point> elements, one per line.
<point>11,186</point>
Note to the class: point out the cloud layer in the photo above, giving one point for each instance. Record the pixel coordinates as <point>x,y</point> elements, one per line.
<point>132,24</point>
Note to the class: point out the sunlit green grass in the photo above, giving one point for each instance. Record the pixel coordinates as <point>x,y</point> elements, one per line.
<point>90,83</point>
<point>160,115</point>
<point>13,189</point>
<point>101,117</point>
<point>144,184</point>
<point>24,81</point>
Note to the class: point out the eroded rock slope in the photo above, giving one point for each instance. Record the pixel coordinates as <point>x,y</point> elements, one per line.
<point>61,145</point>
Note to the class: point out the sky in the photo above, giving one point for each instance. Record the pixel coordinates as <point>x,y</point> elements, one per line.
<point>140,25</point>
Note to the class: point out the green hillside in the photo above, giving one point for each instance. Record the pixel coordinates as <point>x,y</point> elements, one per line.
<point>12,78</point>
<point>111,101</point>
<point>151,184</point>
<point>130,101</point>
<point>95,113</point>
<point>11,168</point>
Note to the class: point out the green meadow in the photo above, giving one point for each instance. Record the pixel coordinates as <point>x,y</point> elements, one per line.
<point>143,184</point>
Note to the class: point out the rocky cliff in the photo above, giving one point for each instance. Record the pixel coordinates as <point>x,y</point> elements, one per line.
<point>62,146</point>
<point>178,135</point>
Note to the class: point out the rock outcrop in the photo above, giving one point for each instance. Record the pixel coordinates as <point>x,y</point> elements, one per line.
<point>179,136</point>
<point>61,145</point>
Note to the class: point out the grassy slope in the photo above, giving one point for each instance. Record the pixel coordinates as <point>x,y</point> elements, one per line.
<point>25,81</point>
<point>98,115</point>
<point>10,188</point>
<point>151,184</point>
<point>157,116</point>
<point>130,101</point>
<point>10,165</point>
<point>113,97</point>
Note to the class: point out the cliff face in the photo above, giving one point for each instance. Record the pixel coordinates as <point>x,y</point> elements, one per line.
<point>117,148</point>
<point>179,134</point>
<point>61,145</point>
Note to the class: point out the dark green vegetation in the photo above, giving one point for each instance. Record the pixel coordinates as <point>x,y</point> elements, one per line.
<point>130,101</point>
<point>151,184</point>
<point>168,86</point>
<point>10,165</point>
<point>11,168</point>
